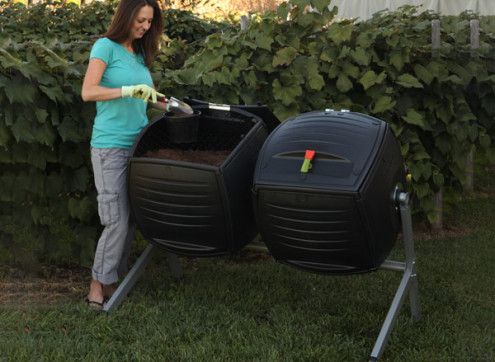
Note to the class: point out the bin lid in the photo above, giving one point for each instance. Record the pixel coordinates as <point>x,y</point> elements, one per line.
<point>260,110</point>
<point>329,150</point>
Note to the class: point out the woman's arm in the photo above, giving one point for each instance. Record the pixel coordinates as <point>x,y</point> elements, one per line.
<point>91,89</point>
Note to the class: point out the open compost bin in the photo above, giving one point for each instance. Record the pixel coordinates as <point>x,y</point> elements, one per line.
<point>194,199</point>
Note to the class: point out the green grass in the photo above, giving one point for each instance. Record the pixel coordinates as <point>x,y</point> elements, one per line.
<point>244,310</point>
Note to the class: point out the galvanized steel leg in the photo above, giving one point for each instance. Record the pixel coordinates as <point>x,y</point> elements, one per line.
<point>136,271</point>
<point>413,298</point>
<point>130,279</point>
<point>392,315</point>
<point>408,283</point>
<point>407,231</point>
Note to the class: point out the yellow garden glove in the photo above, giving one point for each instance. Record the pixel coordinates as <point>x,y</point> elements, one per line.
<point>141,91</point>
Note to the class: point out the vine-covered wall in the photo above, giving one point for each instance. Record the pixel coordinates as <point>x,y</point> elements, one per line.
<point>294,60</point>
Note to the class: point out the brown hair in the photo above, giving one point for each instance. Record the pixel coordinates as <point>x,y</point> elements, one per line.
<point>122,22</point>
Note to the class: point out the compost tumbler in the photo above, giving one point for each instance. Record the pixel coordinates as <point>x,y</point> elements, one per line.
<point>196,209</point>
<point>340,216</point>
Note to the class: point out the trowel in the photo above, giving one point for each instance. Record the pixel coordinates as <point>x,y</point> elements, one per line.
<point>177,106</point>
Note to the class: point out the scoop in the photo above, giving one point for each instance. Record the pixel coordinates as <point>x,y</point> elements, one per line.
<point>176,106</point>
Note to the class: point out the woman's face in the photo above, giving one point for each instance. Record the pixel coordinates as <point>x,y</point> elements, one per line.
<point>142,22</point>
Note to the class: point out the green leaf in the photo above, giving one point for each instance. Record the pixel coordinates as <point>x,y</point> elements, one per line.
<point>360,56</point>
<point>55,94</point>
<point>384,103</point>
<point>284,56</point>
<point>320,5</point>
<point>438,179</point>
<point>18,90</point>
<point>343,83</point>
<point>316,81</point>
<point>414,118</point>
<point>397,60</point>
<point>54,185</point>
<point>421,155</point>
<point>442,143</point>
<point>370,78</point>
<point>286,94</point>
<point>41,115</point>
<point>485,140</point>
<point>283,11</point>
<point>423,74</point>
<point>79,179</point>
<point>4,135</point>
<point>408,81</point>
<point>351,70</point>
<point>339,32</point>
<point>23,130</point>
<point>263,41</point>
<point>80,209</point>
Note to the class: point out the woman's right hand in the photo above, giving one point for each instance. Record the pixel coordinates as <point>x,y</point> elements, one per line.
<point>141,91</point>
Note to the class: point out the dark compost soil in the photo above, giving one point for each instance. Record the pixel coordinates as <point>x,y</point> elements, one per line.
<point>213,158</point>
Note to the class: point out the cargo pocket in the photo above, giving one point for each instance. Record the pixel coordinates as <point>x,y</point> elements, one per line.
<point>108,208</point>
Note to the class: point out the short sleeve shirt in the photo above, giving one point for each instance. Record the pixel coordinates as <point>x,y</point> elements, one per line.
<point>119,121</point>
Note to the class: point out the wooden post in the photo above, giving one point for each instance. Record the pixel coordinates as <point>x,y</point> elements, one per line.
<point>438,204</point>
<point>435,38</point>
<point>474,24</point>
<point>438,197</point>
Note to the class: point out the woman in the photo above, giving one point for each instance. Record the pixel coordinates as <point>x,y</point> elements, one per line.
<point>119,80</point>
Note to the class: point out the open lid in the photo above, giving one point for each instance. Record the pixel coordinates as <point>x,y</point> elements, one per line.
<point>259,110</point>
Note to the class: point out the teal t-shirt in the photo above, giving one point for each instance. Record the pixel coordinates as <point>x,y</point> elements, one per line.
<point>119,121</point>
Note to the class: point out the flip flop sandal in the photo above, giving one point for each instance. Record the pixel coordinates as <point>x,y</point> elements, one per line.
<point>93,304</point>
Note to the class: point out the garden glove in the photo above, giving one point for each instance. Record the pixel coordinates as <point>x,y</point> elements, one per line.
<point>141,91</point>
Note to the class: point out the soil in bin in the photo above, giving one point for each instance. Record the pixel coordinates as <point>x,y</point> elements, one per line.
<point>205,157</point>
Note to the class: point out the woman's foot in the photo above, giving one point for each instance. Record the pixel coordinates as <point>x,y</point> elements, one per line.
<point>95,298</point>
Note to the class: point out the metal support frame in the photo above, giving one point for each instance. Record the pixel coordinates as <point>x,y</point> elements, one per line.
<point>408,283</point>
<point>136,271</point>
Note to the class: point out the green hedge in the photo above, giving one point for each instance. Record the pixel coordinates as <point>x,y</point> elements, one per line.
<point>293,60</point>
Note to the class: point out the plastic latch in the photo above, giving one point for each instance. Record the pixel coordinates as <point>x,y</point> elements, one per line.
<point>308,157</point>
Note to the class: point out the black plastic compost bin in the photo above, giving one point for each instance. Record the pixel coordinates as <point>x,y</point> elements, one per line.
<point>339,217</point>
<point>197,209</point>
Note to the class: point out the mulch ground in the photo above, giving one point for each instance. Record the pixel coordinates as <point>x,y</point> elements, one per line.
<point>49,285</point>
<point>213,158</point>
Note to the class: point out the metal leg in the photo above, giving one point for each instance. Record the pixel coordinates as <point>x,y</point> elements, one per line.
<point>130,279</point>
<point>136,271</point>
<point>413,298</point>
<point>392,314</point>
<point>407,230</point>
<point>408,283</point>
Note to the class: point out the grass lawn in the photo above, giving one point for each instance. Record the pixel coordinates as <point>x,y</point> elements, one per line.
<point>252,308</point>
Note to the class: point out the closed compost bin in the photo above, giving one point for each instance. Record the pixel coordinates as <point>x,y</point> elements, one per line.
<point>195,199</point>
<point>339,217</point>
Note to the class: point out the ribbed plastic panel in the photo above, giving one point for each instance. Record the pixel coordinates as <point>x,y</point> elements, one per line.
<point>312,231</point>
<point>183,201</point>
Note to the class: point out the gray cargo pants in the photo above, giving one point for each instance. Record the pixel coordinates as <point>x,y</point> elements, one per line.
<point>112,251</point>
